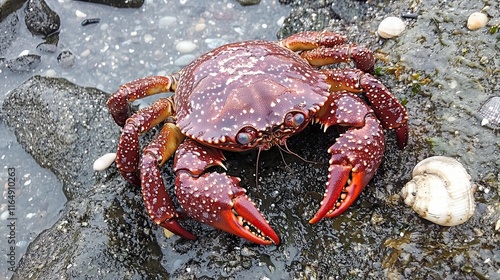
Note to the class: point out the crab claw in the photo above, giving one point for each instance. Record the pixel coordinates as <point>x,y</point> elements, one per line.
<point>216,199</point>
<point>356,156</point>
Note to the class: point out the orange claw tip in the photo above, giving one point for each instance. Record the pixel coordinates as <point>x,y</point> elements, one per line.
<point>339,174</point>
<point>251,215</point>
<point>245,221</point>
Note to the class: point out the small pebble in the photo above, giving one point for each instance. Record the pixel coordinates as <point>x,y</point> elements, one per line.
<point>158,55</point>
<point>22,243</point>
<point>148,38</point>
<point>184,60</point>
<point>4,215</point>
<point>185,46</point>
<point>200,27</point>
<point>66,59</point>
<point>23,53</point>
<point>409,15</point>
<point>85,53</point>
<point>104,161</point>
<point>281,21</point>
<point>391,27</point>
<point>90,21</point>
<point>167,21</point>
<point>477,21</point>
<point>30,215</point>
<point>50,73</point>
<point>248,2</point>
<point>80,14</point>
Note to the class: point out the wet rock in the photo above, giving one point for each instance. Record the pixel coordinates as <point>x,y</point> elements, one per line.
<point>40,18</point>
<point>8,30</point>
<point>66,127</point>
<point>91,241</point>
<point>66,59</point>
<point>50,44</point>
<point>118,3</point>
<point>58,122</point>
<point>8,7</point>
<point>24,63</point>
<point>248,2</point>
<point>301,18</point>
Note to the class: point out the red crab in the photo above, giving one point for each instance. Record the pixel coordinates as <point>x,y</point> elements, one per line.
<point>253,95</point>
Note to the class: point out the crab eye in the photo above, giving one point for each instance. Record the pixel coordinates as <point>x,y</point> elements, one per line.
<point>243,138</point>
<point>294,119</point>
<point>246,135</point>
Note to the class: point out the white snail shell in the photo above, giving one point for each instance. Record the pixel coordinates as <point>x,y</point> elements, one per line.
<point>104,161</point>
<point>440,191</point>
<point>391,27</point>
<point>477,21</point>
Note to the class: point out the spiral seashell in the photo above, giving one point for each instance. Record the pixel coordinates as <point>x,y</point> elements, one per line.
<point>391,27</point>
<point>440,191</point>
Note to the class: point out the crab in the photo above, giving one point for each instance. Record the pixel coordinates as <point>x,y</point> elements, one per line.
<point>254,95</point>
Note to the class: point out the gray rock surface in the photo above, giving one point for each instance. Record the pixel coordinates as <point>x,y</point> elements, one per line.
<point>40,19</point>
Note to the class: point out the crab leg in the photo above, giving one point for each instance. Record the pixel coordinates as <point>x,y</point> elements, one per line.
<point>309,40</point>
<point>356,154</point>
<point>127,154</point>
<point>387,108</point>
<point>158,202</point>
<point>118,103</point>
<point>216,199</point>
<point>322,47</point>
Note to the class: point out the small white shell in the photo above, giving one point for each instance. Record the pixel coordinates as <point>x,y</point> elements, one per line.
<point>391,27</point>
<point>477,21</point>
<point>440,191</point>
<point>104,161</point>
<point>491,111</point>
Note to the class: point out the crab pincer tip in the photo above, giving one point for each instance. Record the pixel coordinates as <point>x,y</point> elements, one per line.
<point>251,223</point>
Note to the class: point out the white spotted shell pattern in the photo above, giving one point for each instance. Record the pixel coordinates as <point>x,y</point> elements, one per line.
<point>440,191</point>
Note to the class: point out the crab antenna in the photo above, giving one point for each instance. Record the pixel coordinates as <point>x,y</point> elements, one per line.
<point>287,150</point>
<point>257,168</point>
<point>287,166</point>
